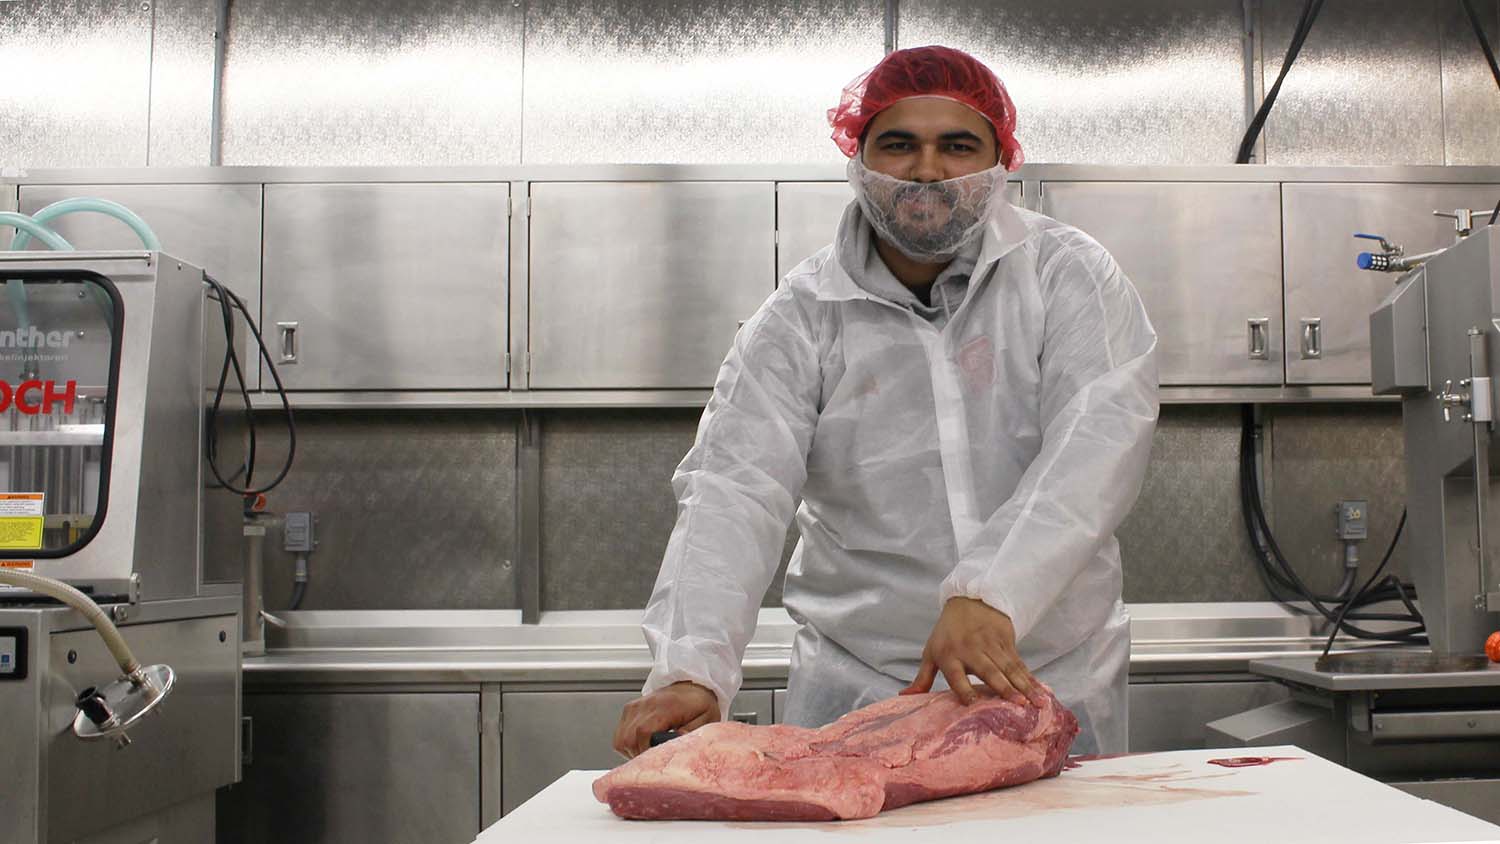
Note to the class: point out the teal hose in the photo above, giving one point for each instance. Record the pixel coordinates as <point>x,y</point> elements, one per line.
<point>87,203</point>
<point>15,291</point>
<point>35,226</point>
<point>29,227</point>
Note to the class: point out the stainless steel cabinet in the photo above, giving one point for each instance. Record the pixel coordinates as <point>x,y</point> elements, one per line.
<point>637,284</point>
<point>216,227</point>
<point>1328,298</point>
<point>387,286</point>
<point>1206,258</point>
<point>808,214</point>
<point>342,767</point>
<point>1172,716</point>
<point>548,734</point>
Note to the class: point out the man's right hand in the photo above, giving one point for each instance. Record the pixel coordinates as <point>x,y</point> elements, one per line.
<point>683,707</point>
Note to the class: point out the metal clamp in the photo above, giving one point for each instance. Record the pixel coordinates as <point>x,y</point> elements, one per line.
<point>288,341</point>
<point>1312,338</point>
<point>1449,400</point>
<point>1260,329</point>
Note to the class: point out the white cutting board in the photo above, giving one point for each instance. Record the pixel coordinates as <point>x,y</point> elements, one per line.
<point>1152,798</point>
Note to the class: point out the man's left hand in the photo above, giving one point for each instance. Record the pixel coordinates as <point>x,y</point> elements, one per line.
<point>971,637</point>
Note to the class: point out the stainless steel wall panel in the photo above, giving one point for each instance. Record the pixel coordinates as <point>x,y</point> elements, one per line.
<point>1202,289</point>
<point>643,284</point>
<point>369,82</point>
<point>1367,88</point>
<point>1184,541</point>
<point>548,734</point>
<point>1471,108</point>
<point>182,83</point>
<point>79,76</point>
<point>384,767</point>
<point>391,286</point>
<point>1173,716</point>
<point>1101,81</point>
<point>608,507</point>
<point>416,510</point>
<point>677,81</point>
<point>1330,452</point>
<point>215,227</point>
<point>807,217</point>
<point>808,214</point>
<point>1322,280</point>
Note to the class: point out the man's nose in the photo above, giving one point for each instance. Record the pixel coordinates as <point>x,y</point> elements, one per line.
<point>928,166</point>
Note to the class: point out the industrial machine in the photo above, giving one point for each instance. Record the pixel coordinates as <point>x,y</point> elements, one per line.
<point>1427,720</point>
<point>107,363</point>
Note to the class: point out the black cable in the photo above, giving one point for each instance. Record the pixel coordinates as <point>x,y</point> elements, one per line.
<point>1344,610</point>
<point>1495,215</point>
<point>1299,37</point>
<point>1484,43</point>
<point>228,303</point>
<point>1281,579</point>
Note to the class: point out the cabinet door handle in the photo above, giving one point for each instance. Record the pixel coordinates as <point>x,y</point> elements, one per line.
<point>288,341</point>
<point>1312,338</point>
<point>1259,330</point>
<point>745,717</point>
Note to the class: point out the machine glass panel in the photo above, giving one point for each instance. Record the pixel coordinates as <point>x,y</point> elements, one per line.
<point>59,351</point>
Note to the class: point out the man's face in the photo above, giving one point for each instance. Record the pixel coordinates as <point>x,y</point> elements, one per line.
<point>929,139</point>
<point>920,141</point>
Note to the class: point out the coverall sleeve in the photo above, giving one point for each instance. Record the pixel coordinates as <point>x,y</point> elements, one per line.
<point>1098,408</point>
<point>737,490</point>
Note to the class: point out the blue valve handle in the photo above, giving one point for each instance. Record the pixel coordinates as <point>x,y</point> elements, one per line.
<point>1370,236</point>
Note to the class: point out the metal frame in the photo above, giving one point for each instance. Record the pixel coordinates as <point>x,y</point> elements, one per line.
<point>520,174</point>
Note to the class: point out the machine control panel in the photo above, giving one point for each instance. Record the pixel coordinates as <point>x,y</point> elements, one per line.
<point>12,653</point>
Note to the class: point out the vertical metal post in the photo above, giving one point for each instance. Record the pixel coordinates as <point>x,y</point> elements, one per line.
<point>1481,414</point>
<point>216,124</point>
<point>1253,43</point>
<point>892,26</point>
<point>528,569</point>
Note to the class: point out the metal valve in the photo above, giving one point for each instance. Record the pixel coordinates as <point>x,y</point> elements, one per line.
<point>1450,399</point>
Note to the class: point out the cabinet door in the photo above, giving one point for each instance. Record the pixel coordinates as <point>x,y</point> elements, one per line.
<point>1206,259</point>
<point>548,734</point>
<point>808,215</point>
<point>387,286</point>
<point>1328,298</point>
<point>216,227</point>
<point>357,767</point>
<point>643,285</point>
<point>1173,716</point>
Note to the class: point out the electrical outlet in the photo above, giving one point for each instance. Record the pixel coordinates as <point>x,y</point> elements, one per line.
<point>1354,523</point>
<point>297,536</point>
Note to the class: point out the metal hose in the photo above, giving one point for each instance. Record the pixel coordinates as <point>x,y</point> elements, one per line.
<point>81,602</point>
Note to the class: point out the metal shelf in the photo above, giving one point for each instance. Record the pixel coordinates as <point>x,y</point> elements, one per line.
<point>603,399</point>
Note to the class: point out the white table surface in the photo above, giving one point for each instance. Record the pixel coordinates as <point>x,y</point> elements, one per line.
<point>1153,797</point>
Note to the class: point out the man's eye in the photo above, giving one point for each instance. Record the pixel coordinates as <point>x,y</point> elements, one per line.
<point>898,146</point>
<point>960,148</point>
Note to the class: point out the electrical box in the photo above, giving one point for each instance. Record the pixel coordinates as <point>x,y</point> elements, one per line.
<point>12,653</point>
<point>1354,520</point>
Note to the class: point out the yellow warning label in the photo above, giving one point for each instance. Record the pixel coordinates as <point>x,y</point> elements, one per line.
<point>21,532</point>
<point>17,564</point>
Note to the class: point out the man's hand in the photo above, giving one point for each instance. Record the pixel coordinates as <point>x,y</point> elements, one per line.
<point>971,637</point>
<point>683,707</point>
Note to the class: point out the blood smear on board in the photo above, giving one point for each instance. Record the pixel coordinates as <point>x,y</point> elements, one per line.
<point>1251,761</point>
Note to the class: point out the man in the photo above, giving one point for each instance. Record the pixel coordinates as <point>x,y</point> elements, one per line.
<point>963,394</point>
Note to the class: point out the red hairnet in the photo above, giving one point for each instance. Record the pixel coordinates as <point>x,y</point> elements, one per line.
<point>926,72</point>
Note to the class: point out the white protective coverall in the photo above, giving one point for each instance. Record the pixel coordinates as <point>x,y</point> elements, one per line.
<point>989,455</point>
